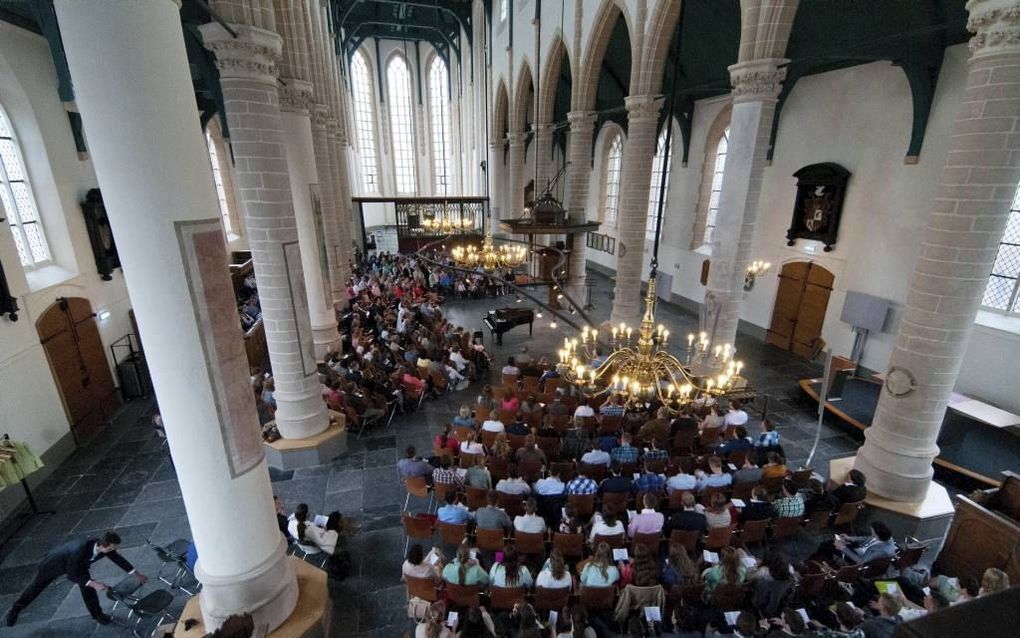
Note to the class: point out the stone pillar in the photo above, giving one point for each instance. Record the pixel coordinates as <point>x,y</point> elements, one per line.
<point>331,208</point>
<point>756,85</point>
<point>350,230</point>
<point>247,66</point>
<point>543,155</point>
<point>309,211</point>
<point>635,181</point>
<point>515,191</point>
<point>582,131</point>
<point>496,195</point>
<point>175,264</point>
<point>958,248</point>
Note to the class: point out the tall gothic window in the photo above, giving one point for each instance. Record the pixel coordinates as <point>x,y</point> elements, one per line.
<point>717,177</point>
<point>439,111</point>
<point>19,202</point>
<point>614,158</point>
<point>660,165</point>
<point>1003,290</point>
<point>503,9</point>
<point>398,82</point>
<point>364,121</point>
<point>218,170</point>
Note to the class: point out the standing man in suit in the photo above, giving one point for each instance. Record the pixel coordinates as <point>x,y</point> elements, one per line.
<point>73,559</point>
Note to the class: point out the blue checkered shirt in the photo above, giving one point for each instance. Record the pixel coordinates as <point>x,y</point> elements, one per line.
<point>624,454</point>
<point>767,439</point>
<point>649,482</point>
<point>611,410</point>
<point>656,455</point>
<point>582,485</point>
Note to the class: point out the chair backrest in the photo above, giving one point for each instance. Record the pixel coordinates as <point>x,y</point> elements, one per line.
<point>743,490</point>
<point>718,537</point>
<point>551,384</point>
<point>490,539</point>
<point>465,596</point>
<point>692,595</point>
<point>594,472</point>
<point>488,438</point>
<point>618,500</point>
<point>564,469</point>
<point>561,422</point>
<point>773,484</point>
<point>550,445</point>
<point>416,486</point>
<point>819,520</point>
<point>505,597</point>
<point>737,457</point>
<point>802,477</point>
<point>683,441</point>
<point>498,392</point>
<point>598,598</point>
<point>418,528</point>
<point>546,599</point>
<point>710,437</point>
<point>786,526</point>
<point>509,380</point>
<point>512,504</point>
<point>584,504</point>
<point>452,533</point>
<point>753,531</point>
<point>687,537</point>
<point>506,416</point>
<point>530,384</point>
<point>909,556</point>
<point>461,432</point>
<point>529,543</point>
<point>849,574</point>
<point>516,441</point>
<point>440,490</point>
<point>812,585</point>
<point>876,568</point>
<point>650,540</point>
<point>610,424</point>
<point>497,468</point>
<point>726,597</point>
<point>847,513</point>
<point>476,497</point>
<point>423,588</point>
<point>482,413</point>
<point>616,541</point>
<point>570,545</point>
<point>467,460</point>
<point>531,471</point>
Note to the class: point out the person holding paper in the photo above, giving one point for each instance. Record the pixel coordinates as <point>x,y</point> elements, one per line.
<point>434,624</point>
<point>600,571</point>
<point>772,583</point>
<point>420,565</point>
<point>862,549</point>
<point>729,570</point>
<point>648,481</point>
<point>579,627</point>
<point>790,623</point>
<point>306,533</point>
<point>884,624</point>
<point>849,619</point>
<point>678,569</point>
<point>745,625</point>
<point>718,513</point>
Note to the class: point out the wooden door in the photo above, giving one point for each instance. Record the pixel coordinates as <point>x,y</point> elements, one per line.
<point>77,358</point>
<point>801,302</point>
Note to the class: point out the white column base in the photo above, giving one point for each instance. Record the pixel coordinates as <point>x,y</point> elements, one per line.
<point>325,339</point>
<point>897,476</point>
<point>300,416</point>
<point>269,592</point>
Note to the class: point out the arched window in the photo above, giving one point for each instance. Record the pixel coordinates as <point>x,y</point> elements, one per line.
<point>19,202</point>
<point>1003,290</point>
<point>661,164</point>
<point>364,121</point>
<point>717,175</point>
<point>398,83</point>
<point>439,111</point>
<point>614,158</point>
<point>219,171</point>
<point>503,9</point>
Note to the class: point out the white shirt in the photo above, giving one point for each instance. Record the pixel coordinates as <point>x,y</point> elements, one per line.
<point>596,457</point>
<point>511,371</point>
<point>472,447</point>
<point>458,360</point>
<point>493,425</point>
<point>735,417</point>
<point>549,486</point>
<point>529,523</point>
<point>681,482</point>
<point>313,534</point>
<point>513,486</point>
<point>601,529</point>
<point>545,580</point>
<point>584,410</point>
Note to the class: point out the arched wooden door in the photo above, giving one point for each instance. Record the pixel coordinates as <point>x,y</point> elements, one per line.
<point>799,313</point>
<point>69,335</point>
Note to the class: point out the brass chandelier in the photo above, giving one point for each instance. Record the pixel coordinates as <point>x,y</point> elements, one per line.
<point>489,257</point>
<point>446,225</point>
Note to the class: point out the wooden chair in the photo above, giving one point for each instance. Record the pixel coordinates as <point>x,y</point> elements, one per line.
<point>452,533</point>
<point>416,486</point>
<point>510,380</point>
<point>461,432</point>
<point>423,588</point>
<point>546,598</point>
<point>876,568</point>
<point>847,514</point>
<point>529,384</point>
<point>512,504</point>
<point>491,540</point>
<point>785,527</point>
<point>773,484</point>
<point>439,491</point>
<point>476,497</point>
<point>530,544</point>
<point>482,413</point>
<point>563,469</point>
<point>598,598</point>
<point>753,532</point>
<point>693,595</point>
<point>551,384</point>
<point>726,597</point>
<point>516,441</point>
<point>498,392</point>
<point>617,500</point>
<point>561,422</point>
<point>802,477</point>
<point>570,545</point>
<point>909,556</point>
<point>743,490</point>
<point>818,521</point>
<point>615,541</point>
<point>737,457</point>
<point>462,596</point>
<point>848,574</point>
<point>531,471</point>
<point>709,438</point>
<point>489,438</point>
<point>594,472</point>
<point>651,541</point>
<point>610,425</point>
<point>551,446</point>
<point>718,537</point>
<point>687,537</point>
<point>417,528</point>
<point>497,468</point>
<point>467,460</point>
<point>813,585</point>
<point>505,597</point>
<point>684,442</point>
<point>584,504</point>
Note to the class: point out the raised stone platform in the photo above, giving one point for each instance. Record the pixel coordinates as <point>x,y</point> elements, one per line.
<point>289,454</point>
<point>927,520</point>
<point>304,622</point>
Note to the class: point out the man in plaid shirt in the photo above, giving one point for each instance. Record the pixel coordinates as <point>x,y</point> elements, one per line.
<point>791,504</point>
<point>654,454</point>
<point>649,482</point>
<point>581,484</point>
<point>624,453</point>
<point>445,475</point>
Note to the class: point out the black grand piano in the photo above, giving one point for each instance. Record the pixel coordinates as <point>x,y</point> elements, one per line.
<point>503,319</point>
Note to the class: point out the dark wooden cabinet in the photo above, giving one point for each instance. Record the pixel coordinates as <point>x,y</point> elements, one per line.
<point>104,248</point>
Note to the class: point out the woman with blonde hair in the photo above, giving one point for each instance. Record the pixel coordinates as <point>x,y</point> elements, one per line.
<point>501,448</point>
<point>600,570</point>
<point>717,514</point>
<point>463,418</point>
<point>993,580</point>
<point>554,574</point>
<point>471,446</point>
<point>432,626</point>
<point>465,570</point>
<point>729,571</point>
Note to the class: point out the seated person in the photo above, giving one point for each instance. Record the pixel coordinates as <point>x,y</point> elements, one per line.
<point>816,499</point>
<point>511,369</point>
<point>464,569</point>
<point>624,453</point>
<point>884,624</point>
<point>685,422</point>
<point>471,445</point>
<point>775,467</point>
<point>716,477</point>
<point>681,481</point>
<point>690,518</point>
<point>740,442</point>
<point>718,513</point>
<point>648,521</point>
<point>611,407</point>
<point>729,571</point>
<point>616,482</point>
<point>492,424</point>
<point>605,523</point>
<point>445,440</point>
<point>445,474</point>
<point>713,419</point>
<point>492,516</point>
<point>453,511</point>
<point>852,490</point>
<point>513,483</point>
<point>758,508</point>
<point>478,476</point>
<point>550,486</point>
<point>518,427</point>
<point>749,473</point>
<point>736,415</point>
<point>306,533</point>
<point>657,430</point>
<point>769,436</point>
<point>581,485</point>
<point>583,410</point>
<point>411,465</point>
<point>420,565</point>
<point>554,574</point>
<point>337,529</point>
<point>510,572</point>
<point>530,452</point>
<point>791,503</point>
<point>653,453</point>
<point>595,456</point>
<point>463,418</point>
<point>648,481</point>
<point>860,549</point>
<point>600,571</point>
<point>530,522</point>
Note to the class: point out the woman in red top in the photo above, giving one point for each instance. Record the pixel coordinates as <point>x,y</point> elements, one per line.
<point>510,401</point>
<point>446,439</point>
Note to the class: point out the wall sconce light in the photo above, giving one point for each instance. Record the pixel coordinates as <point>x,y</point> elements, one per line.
<point>752,272</point>
<point>104,315</point>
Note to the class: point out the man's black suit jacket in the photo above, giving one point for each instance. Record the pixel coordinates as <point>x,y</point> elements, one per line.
<point>73,560</point>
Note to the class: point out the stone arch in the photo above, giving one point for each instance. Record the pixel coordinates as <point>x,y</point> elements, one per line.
<point>500,112</point>
<point>550,80</point>
<point>712,138</point>
<point>602,30</point>
<point>656,49</point>
<point>522,100</point>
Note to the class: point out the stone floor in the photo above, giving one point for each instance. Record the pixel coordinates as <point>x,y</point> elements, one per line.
<point>124,480</point>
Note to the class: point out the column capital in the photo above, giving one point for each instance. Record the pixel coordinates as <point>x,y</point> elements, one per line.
<point>544,129</point>
<point>995,25</point>
<point>643,107</point>
<point>320,115</point>
<point>757,79</point>
<point>516,139</point>
<point>254,54</point>
<point>297,96</point>
<point>582,118</point>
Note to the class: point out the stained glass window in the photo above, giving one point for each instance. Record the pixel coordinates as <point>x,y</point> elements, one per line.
<point>19,203</point>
